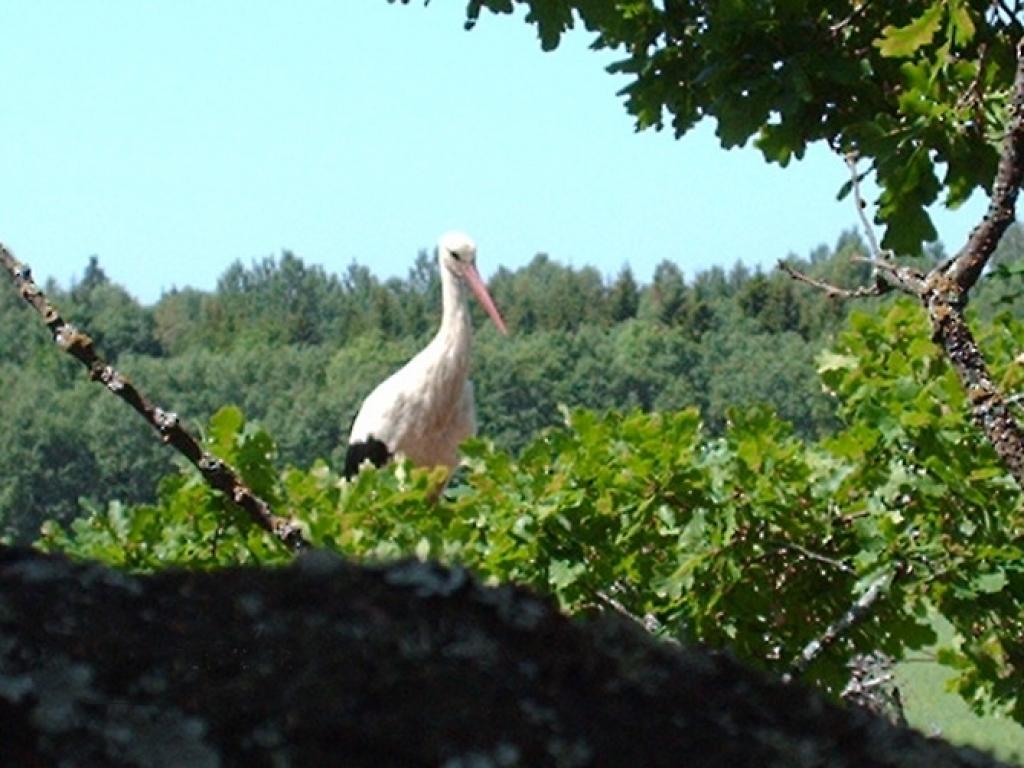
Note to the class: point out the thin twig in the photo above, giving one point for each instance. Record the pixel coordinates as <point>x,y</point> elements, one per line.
<point>811,555</point>
<point>1011,12</point>
<point>839,26</point>
<point>887,275</point>
<point>648,621</point>
<point>856,614</point>
<point>858,201</point>
<point>835,291</point>
<point>974,96</point>
<point>216,472</point>
<point>907,279</point>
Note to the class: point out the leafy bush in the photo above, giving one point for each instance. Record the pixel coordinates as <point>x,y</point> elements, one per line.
<point>756,539</point>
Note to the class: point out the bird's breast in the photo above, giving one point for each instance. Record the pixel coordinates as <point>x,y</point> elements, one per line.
<point>424,410</point>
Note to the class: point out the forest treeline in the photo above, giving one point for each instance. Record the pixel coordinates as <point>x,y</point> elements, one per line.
<point>298,348</point>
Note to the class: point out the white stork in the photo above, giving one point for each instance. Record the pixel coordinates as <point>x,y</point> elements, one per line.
<point>425,409</point>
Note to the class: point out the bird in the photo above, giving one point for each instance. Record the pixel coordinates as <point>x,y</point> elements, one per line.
<point>424,410</point>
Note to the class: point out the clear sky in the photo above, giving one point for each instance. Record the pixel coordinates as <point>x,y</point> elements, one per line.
<point>172,138</point>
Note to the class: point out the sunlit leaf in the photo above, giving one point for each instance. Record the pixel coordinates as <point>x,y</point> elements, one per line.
<point>899,42</point>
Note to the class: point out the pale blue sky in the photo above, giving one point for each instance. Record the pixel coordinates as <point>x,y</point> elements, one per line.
<point>172,138</point>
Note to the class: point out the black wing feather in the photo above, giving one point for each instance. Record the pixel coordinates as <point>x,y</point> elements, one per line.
<point>370,449</point>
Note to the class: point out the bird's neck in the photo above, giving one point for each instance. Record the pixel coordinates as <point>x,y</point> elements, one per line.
<point>447,356</point>
<point>442,366</point>
<point>456,327</point>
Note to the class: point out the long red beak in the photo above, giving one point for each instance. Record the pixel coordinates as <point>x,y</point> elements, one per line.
<point>480,291</point>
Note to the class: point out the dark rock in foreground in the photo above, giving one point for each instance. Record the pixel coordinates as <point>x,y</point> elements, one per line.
<point>329,664</point>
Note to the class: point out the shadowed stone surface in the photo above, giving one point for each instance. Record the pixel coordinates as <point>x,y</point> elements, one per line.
<point>328,664</point>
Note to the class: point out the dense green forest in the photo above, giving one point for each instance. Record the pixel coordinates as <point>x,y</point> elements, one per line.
<point>298,347</point>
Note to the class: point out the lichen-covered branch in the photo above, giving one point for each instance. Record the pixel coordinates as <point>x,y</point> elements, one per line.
<point>857,612</point>
<point>989,408</point>
<point>834,291</point>
<point>906,279</point>
<point>216,472</point>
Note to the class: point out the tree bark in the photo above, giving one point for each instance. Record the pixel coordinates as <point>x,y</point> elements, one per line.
<point>947,288</point>
<point>989,408</point>
<point>327,664</point>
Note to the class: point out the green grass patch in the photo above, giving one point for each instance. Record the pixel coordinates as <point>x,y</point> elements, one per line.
<point>934,710</point>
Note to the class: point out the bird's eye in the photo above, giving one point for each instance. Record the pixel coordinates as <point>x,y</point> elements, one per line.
<point>455,256</point>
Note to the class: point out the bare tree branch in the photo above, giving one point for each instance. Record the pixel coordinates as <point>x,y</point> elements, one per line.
<point>782,546</point>
<point>860,610</point>
<point>887,274</point>
<point>649,622</point>
<point>1010,12</point>
<point>872,686</point>
<point>834,291</point>
<point>858,201</point>
<point>887,277</point>
<point>217,473</point>
<point>989,408</point>
<point>858,10</point>
<point>907,279</point>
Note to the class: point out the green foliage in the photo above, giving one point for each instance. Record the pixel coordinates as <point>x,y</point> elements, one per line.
<point>624,296</point>
<point>190,525</point>
<point>918,88</point>
<point>954,515</point>
<point>783,376</point>
<point>545,295</point>
<point>49,465</point>
<point>115,320</point>
<point>753,539</point>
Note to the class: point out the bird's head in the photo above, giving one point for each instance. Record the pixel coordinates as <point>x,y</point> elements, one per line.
<point>456,252</point>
